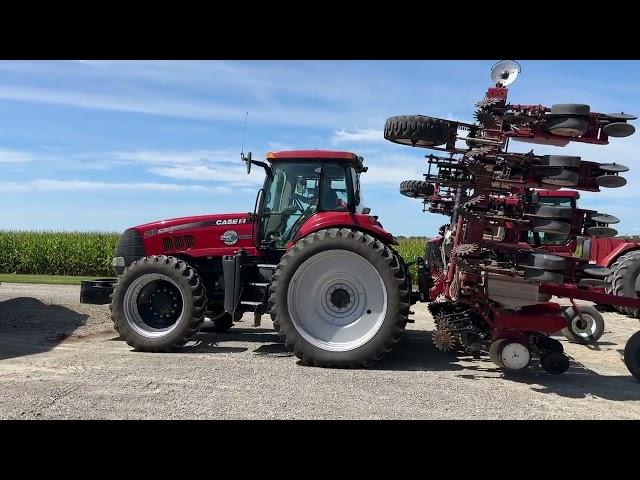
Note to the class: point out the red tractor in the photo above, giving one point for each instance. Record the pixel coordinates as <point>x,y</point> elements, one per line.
<point>310,254</point>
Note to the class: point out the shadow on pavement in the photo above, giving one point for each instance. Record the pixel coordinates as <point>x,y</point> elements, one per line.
<point>29,326</point>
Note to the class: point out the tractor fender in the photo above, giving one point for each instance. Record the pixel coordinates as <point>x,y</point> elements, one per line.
<point>617,252</point>
<point>365,223</point>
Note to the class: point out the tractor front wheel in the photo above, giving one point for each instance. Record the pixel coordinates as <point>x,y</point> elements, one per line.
<point>340,298</point>
<point>158,303</point>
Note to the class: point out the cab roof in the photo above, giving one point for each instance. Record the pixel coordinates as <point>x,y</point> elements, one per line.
<point>303,155</point>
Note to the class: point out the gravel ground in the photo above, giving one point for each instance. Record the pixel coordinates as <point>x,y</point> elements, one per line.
<point>60,359</point>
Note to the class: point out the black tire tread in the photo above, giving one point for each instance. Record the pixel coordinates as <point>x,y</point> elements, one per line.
<point>621,270</point>
<point>418,128</point>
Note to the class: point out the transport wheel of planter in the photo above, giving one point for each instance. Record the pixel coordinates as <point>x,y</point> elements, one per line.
<point>577,109</point>
<point>625,281</point>
<point>551,211</point>
<point>619,129</point>
<point>550,226</point>
<point>566,161</point>
<point>559,176</point>
<point>543,261</point>
<point>567,126</point>
<point>416,189</point>
<point>543,276</point>
<point>158,303</point>
<point>554,363</point>
<point>418,130</point>
<point>494,351</point>
<point>588,331</point>
<point>632,355</point>
<point>339,298</point>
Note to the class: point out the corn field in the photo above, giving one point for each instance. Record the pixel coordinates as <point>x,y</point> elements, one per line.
<point>90,253</point>
<point>57,253</point>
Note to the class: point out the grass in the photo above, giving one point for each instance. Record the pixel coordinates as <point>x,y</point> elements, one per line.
<point>43,279</point>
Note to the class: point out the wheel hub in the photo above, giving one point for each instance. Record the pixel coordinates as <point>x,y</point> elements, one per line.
<point>337,300</point>
<point>341,297</point>
<point>153,305</point>
<point>585,326</point>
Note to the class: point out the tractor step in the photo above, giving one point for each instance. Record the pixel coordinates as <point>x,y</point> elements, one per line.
<point>267,265</point>
<point>259,284</point>
<point>253,304</point>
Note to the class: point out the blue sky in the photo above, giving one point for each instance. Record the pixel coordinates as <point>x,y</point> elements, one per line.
<point>104,145</point>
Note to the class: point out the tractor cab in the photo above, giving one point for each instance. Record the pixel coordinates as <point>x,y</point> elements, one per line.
<point>300,184</point>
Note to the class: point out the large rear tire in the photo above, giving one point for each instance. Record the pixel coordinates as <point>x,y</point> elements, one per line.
<point>158,303</point>
<point>340,298</point>
<point>626,271</point>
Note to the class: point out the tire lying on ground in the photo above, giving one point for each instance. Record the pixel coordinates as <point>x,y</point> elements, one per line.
<point>418,130</point>
<point>587,329</point>
<point>416,189</point>
<point>339,298</point>
<point>158,303</point>
<point>624,280</point>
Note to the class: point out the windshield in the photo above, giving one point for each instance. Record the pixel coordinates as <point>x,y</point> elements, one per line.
<point>298,190</point>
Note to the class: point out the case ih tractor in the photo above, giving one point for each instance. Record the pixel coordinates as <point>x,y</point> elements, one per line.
<point>311,255</point>
<point>490,278</point>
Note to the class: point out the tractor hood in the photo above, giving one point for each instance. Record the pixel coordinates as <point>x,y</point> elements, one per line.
<point>182,224</point>
<point>198,236</point>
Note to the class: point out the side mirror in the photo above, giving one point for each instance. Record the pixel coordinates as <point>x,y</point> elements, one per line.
<point>247,160</point>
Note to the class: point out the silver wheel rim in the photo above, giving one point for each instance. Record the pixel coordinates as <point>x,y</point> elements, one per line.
<point>584,331</point>
<point>337,300</point>
<point>132,314</point>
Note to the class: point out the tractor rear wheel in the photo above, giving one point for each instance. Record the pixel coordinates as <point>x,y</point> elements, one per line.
<point>340,298</point>
<point>158,303</point>
<point>625,281</point>
<point>418,130</point>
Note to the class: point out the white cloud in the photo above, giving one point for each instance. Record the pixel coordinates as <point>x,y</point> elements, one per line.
<point>359,135</point>
<point>54,185</point>
<point>13,156</point>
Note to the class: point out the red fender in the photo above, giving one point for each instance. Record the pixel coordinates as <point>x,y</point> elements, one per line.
<point>365,223</point>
